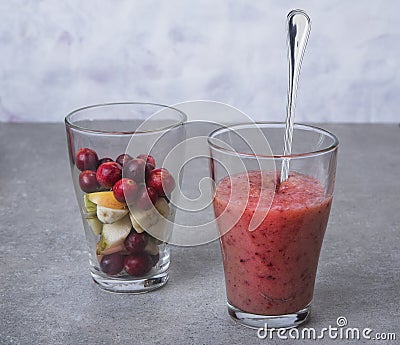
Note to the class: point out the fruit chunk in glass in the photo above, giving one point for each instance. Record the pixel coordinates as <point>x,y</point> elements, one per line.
<point>124,212</point>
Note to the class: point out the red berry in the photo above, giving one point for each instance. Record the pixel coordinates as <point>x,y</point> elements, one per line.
<point>86,159</point>
<point>112,264</point>
<point>135,169</point>
<point>108,174</point>
<point>162,181</point>
<point>123,158</point>
<point>149,167</point>
<point>135,243</point>
<point>125,190</point>
<point>105,160</point>
<point>88,181</point>
<point>138,264</point>
<point>146,197</point>
<point>148,159</point>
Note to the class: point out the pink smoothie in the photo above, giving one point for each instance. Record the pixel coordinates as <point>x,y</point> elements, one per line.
<point>271,270</point>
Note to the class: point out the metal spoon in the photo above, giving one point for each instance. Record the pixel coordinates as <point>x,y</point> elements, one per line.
<point>298,26</point>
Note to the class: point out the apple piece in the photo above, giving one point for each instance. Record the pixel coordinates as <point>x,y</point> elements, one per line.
<point>110,215</point>
<point>95,225</point>
<point>90,207</point>
<point>105,199</point>
<point>113,235</point>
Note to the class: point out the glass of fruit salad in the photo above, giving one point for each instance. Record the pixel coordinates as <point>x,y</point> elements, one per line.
<point>126,189</point>
<point>271,230</point>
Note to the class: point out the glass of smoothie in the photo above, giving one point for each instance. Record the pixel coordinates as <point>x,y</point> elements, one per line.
<point>126,188</point>
<point>271,232</point>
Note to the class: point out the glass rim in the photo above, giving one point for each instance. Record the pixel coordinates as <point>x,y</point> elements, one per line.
<point>70,124</point>
<point>226,128</point>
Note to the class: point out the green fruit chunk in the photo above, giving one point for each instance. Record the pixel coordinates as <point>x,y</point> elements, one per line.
<point>90,207</point>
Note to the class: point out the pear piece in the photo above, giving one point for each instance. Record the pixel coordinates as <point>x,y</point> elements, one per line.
<point>113,235</point>
<point>95,225</point>
<point>105,199</point>
<point>110,215</point>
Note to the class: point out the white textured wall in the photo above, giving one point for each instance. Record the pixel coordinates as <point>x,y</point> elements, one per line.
<point>59,55</point>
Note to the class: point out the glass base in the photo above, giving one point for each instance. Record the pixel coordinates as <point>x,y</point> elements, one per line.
<point>133,286</point>
<point>272,321</point>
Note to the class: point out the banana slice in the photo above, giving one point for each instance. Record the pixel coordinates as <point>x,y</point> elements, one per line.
<point>110,215</point>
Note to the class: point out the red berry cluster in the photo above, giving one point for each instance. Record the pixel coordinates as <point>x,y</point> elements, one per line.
<point>142,185</point>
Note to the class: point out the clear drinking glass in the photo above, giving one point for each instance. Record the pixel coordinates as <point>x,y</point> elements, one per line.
<point>271,232</point>
<point>124,186</point>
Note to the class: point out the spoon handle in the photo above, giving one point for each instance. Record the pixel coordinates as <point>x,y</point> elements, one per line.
<point>298,26</point>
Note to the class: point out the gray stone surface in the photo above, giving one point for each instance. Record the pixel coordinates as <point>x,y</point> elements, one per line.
<point>48,297</point>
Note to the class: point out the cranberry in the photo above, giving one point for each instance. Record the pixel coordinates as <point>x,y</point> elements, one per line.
<point>123,158</point>
<point>125,190</point>
<point>108,174</point>
<point>86,159</point>
<point>149,167</point>
<point>138,264</point>
<point>112,264</point>
<point>148,159</point>
<point>146,197</point>
<point>135,243</point>
<point>88,181</point>
<point>105,160</point>
<point>162,181</point>
<point>135,169</point>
